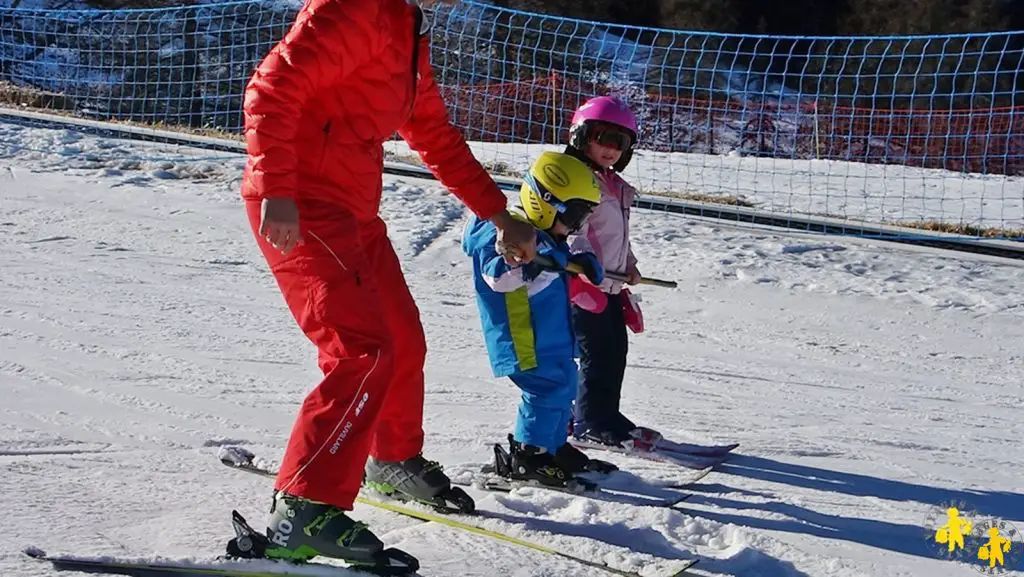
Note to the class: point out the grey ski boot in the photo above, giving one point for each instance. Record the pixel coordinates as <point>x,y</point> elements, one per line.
<point>419,480</point>
<point>300,529</point>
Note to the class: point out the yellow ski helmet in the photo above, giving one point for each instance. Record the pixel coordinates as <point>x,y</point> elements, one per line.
<point>559,185</point>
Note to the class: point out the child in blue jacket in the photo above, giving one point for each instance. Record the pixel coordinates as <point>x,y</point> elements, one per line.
<point>527,320</point>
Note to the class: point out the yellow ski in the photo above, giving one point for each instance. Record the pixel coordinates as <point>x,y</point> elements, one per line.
<point>240,459</point>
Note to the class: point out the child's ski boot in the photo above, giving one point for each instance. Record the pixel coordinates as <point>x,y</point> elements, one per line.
<point>635,437</point>
<point>599,437</point>
<point>529,465</point>
<point>642,439</point>
<point>576,461</point>
<point>623,434</point>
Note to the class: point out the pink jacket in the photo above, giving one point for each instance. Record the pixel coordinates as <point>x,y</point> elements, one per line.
<point>606,232</point>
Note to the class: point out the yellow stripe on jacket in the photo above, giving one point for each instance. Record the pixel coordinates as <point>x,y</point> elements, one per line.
<point>517,304</point>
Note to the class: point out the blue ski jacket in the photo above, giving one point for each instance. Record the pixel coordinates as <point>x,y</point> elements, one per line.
<point>524,310</point>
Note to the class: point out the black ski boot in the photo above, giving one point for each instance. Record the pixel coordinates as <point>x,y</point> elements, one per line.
<point>533,465</point>
<point>635,437</point>
<point>607,437</point>
<point>417,480</point>
<point>301,529</point>
<point>643,439</point>
<point>576,461</point>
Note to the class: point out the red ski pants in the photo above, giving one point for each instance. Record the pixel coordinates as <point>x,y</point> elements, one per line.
<point>345,288</point>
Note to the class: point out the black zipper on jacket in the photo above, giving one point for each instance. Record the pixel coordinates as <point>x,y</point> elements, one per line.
<point>326,130</point>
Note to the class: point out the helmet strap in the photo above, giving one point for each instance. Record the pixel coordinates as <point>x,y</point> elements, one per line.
<point>627,155</point>
<point>580,154</point>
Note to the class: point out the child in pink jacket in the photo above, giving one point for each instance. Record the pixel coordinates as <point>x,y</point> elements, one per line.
<point>603,134</point>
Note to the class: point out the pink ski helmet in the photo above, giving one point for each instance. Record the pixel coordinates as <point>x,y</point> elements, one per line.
<point>610,109</point>
<point>603,110</point>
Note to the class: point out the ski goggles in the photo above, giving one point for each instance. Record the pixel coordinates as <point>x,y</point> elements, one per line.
<point>575,214</point>
<point>612,137</point>
<point>572,213</point>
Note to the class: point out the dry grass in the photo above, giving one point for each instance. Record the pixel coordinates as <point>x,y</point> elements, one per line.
<point>41,101</point>
<point>501,169</point>
<point>701,197</point>
<point>406,158</point>
<point>497,167</point>
<point>965,229</point>
<point>136,4</point>
<point>22,97</point>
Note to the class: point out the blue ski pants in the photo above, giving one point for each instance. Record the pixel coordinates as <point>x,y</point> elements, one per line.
<point>546,405</point>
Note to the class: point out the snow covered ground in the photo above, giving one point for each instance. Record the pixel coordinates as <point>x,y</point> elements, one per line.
<point>869,384</point>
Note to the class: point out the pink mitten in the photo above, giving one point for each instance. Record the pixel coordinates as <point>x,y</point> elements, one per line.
<point>587,296</point>
<point>631,311</point>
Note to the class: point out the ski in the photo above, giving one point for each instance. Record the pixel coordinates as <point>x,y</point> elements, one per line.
<point>218,567</point>
<point>450,522</point>
<point>694,449</point>
<point>243,460</point>
<point>490,482</point>
<point>239,458</point>
<point>614,486</point>
<point>686,460</point>
<point>646,440</point>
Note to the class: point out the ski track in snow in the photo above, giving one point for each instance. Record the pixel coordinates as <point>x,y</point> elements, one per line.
<point>868,383</point>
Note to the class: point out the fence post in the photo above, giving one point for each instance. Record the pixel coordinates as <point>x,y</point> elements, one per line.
<point>817,142</point>
<point>193,75</point>
<point>711,131</point>
<point>554,108</point>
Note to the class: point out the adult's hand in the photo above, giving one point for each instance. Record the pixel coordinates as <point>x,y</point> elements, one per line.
<point>279,223</point>
<point>517,240</point>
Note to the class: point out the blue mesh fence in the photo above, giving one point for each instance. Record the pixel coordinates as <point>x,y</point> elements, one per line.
<point>924,130</point>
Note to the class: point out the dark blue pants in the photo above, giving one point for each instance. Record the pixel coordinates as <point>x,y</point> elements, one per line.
<point>603,347</point>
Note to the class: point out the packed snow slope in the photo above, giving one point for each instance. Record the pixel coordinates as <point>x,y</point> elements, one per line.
<point>869,384</point>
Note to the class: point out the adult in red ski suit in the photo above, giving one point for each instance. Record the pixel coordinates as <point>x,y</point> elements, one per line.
<point>347,75</point>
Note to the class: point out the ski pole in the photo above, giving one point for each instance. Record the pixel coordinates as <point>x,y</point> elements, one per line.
<point>574,268</point>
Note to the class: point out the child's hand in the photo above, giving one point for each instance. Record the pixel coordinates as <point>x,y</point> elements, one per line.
<point>593,272</point>
<point>633,275</point>
<point>531,270</point>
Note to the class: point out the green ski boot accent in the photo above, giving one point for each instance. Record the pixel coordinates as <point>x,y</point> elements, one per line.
<point>325,531</point>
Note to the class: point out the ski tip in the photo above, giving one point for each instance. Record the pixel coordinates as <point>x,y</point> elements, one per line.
<point>234,455</point>
<point>34,552</point>
<point>678,500</point>
<point>684,570</point>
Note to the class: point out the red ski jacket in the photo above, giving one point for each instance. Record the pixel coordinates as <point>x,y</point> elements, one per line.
<point>318,108</point>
